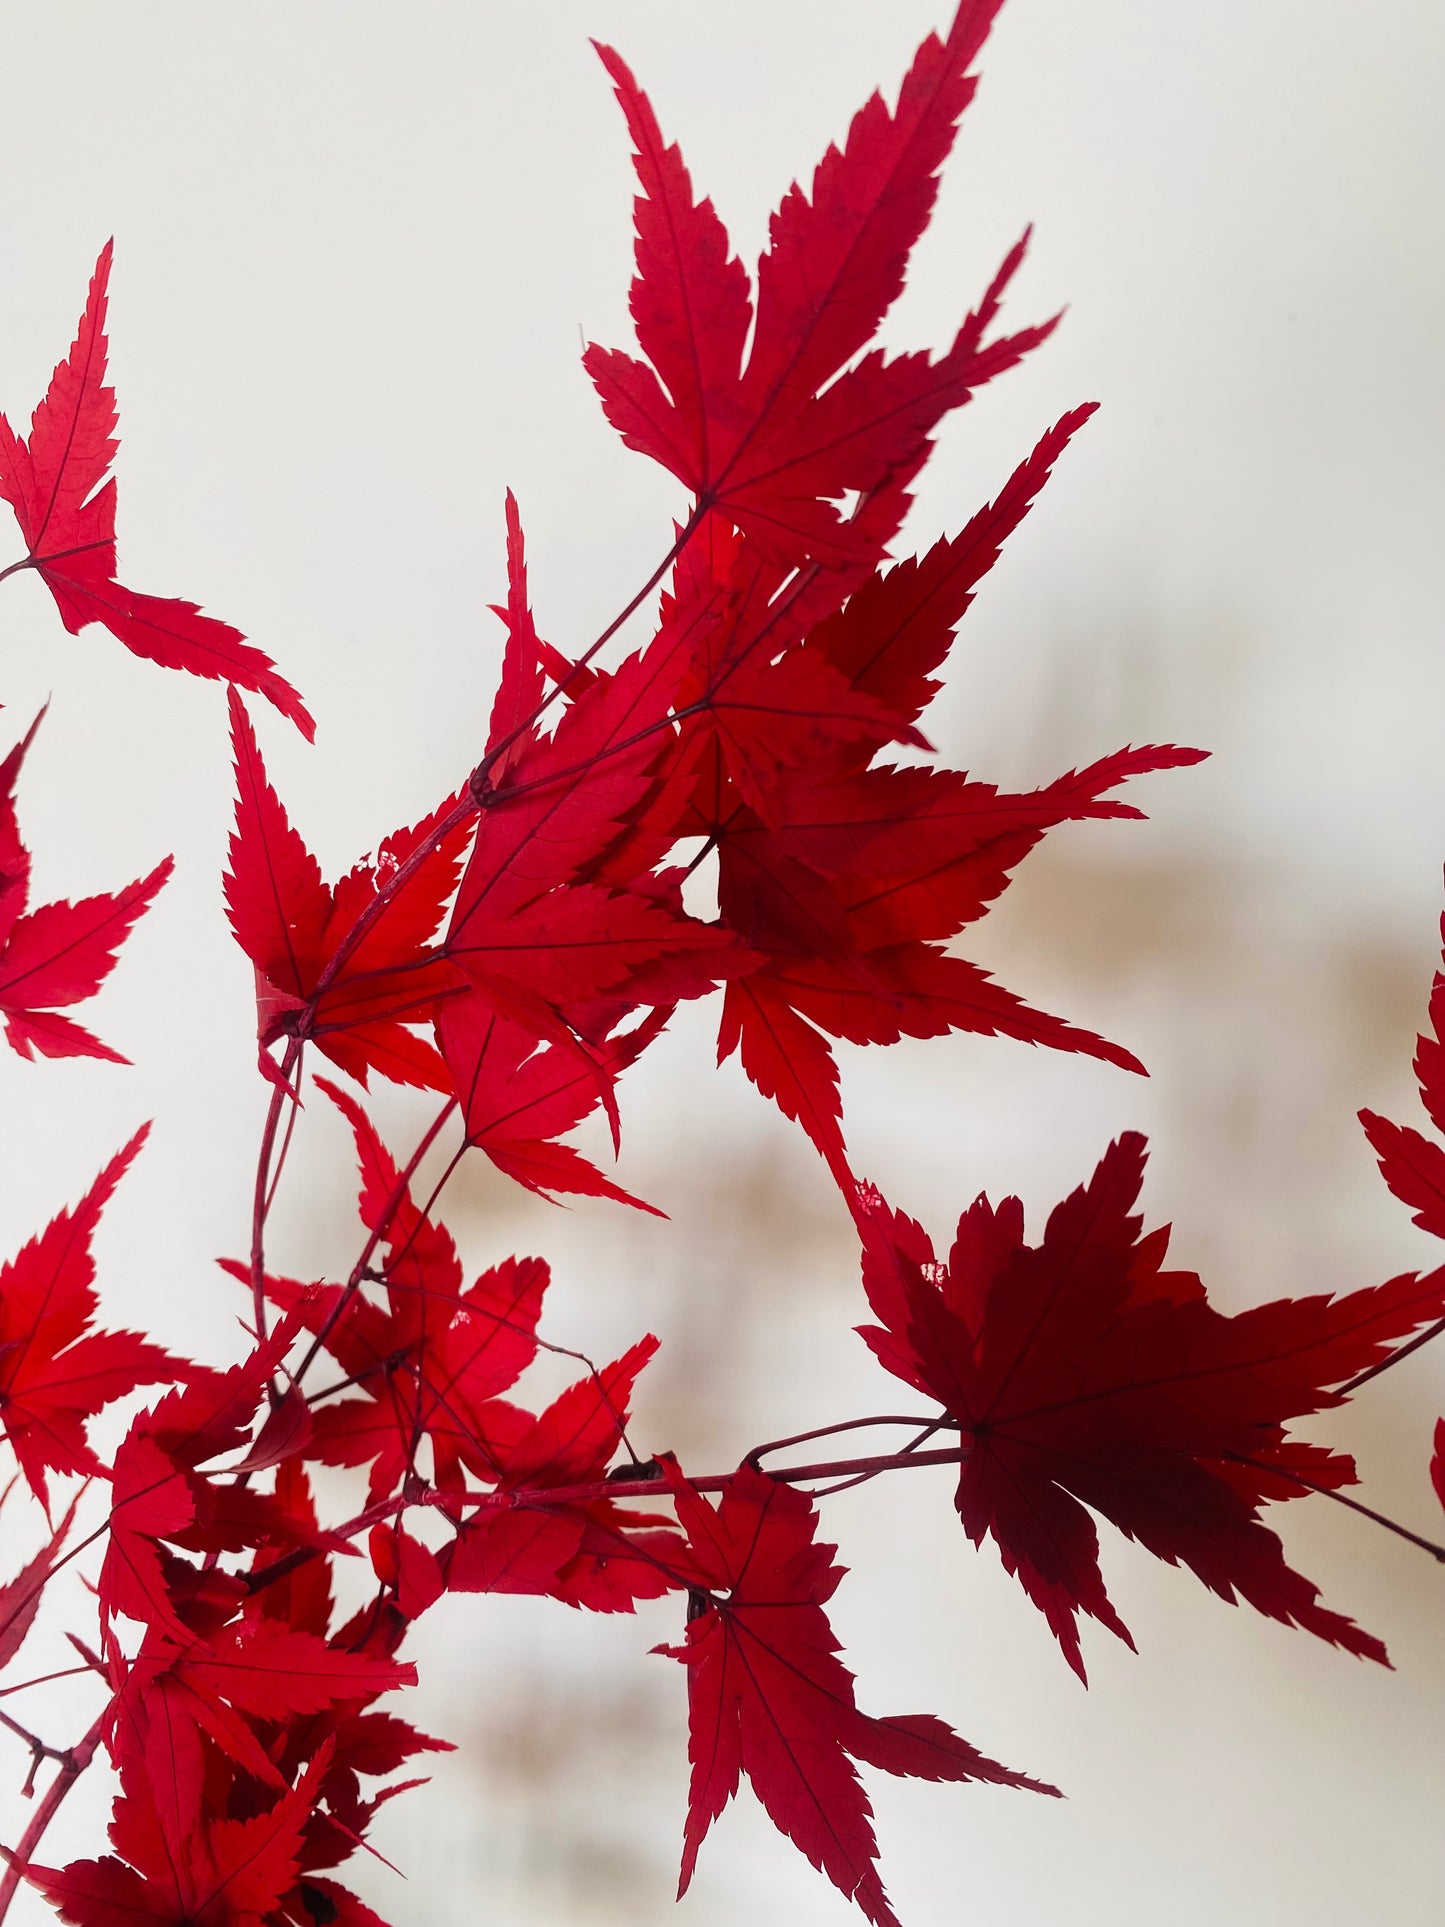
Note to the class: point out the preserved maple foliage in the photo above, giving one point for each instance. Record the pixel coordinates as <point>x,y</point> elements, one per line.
<point>515,953</point>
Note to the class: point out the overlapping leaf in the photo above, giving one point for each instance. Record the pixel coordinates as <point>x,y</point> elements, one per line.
<point>546,925</point>
<point>519,1098</point>
<point>20,1597</point>
<point>163,1504</point>
<point>233,1687</point>
<point>192,1869</point>
<point>291,925</point>
<point>589,1552</point>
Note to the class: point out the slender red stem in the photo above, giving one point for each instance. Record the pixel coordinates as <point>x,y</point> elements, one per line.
<point>1385,1364</point>
<point>262,1193</point>
<point>861,1478</point>
<point>760,1452</point>
<point>279,1162</point>
<point>540,1497</point>
<point>545,1498</point>
<point>1366,1511</point>
<point>43,1679</point>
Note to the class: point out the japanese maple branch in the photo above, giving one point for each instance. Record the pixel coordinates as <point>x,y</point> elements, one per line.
<point>40,1750</point>
<point>73,1763</point>
<point>467,807</point>
<point>547,1498</point>
<point>861,1478</point>
<point>539,1498</point>
<point>44,1679</point>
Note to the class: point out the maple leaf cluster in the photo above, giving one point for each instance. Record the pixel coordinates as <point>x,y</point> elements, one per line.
<point>515,952</point>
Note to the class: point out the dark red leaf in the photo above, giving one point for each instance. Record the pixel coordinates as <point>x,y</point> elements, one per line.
<point>1083,1378</point>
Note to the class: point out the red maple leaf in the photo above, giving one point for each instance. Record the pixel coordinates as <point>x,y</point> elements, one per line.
<point>61,953</point>
<point>846,879</point>
<point>768,1695</point>
<point>55,1372</point>
<point>775,441</point>
<point>548,923</point>
<point>291,924</point>
<point>235,1686</point>
<point>161,1500</point>
<point>1083,1377</point>
<point>518,1097</point>
<point>57,483</point>
<point>854,892</point>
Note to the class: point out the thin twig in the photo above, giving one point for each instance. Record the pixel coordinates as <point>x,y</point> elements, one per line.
<point>760,1452</point>
<point>1385,1364</point>
<point>72,1765</point>
<point>262,1193</point>
<point>862,1478</point>
<point>1368,1512</point>
<point>43,1679</point>
<point>547,1498</point>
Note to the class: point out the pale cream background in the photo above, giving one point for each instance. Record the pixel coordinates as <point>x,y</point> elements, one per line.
<point>356,247</point>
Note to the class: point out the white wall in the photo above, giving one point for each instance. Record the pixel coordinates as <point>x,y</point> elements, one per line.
<point>356,244</point>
